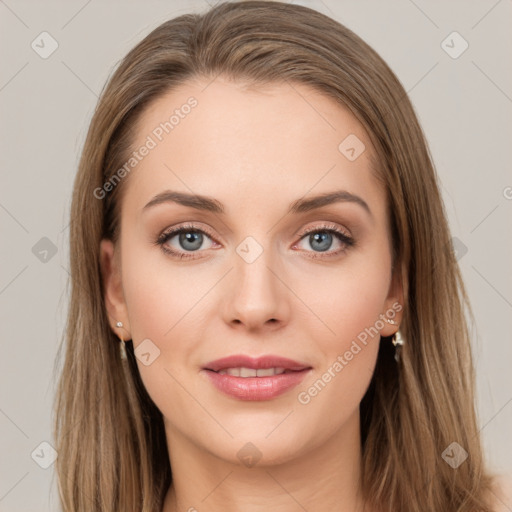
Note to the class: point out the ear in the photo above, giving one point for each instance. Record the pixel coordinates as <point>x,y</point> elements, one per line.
<point>113,289</point>
<point>394,304</point>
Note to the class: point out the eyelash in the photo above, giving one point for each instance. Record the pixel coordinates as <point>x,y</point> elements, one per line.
<point>324,228</point>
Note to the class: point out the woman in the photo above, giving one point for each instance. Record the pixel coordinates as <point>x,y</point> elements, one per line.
<point>266,310</point>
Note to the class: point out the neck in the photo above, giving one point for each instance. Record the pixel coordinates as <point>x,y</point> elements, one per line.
<point>325,477</point>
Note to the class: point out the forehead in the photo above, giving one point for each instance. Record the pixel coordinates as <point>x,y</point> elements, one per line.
<point>236,143</point>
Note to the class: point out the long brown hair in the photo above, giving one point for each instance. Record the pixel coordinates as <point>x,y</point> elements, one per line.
<point>110,437</point>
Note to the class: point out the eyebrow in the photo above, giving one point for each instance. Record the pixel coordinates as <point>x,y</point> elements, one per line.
<point>302,205</point>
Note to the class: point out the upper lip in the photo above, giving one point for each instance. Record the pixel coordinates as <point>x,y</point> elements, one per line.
<point>244,361</point>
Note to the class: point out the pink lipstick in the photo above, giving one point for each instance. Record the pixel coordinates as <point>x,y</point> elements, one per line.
<point>263,378</point>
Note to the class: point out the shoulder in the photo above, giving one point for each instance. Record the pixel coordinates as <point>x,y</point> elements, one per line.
<point>503,492</point>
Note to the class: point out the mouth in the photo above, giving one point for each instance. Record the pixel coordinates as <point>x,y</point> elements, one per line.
<point>253,372</point>
<point>245,364</point>
<point>247,378</point>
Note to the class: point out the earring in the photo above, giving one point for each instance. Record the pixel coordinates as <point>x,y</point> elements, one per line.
<point>122,347</point>
<point>397,340</point>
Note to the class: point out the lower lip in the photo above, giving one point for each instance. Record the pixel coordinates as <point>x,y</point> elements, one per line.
<point>256,388</point>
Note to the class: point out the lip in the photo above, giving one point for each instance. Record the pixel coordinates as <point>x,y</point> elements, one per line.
<point>257,363</point>
<point>256,388</point>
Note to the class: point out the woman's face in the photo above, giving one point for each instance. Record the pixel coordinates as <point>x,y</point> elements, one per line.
<point>244,278</point>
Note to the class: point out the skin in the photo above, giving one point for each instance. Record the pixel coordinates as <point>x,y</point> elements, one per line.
<point>256,150</point>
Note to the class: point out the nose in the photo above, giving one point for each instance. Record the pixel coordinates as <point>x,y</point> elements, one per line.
<point>257,297</point>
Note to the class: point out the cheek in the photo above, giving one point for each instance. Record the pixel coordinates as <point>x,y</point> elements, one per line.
<point>160,296</point>
<point>348,304</point>
<point>344,301</point>
<point>348,356</point>
<point>165,306</point>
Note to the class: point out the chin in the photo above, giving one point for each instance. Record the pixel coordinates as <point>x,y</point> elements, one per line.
<point>260,445</point>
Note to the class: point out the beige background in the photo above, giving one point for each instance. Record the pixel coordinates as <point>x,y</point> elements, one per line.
<point>464,105</point>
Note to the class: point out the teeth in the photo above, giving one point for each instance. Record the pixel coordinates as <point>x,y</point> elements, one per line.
<point>251,372</point>
<point>248,372</point>
<point>268,372</point>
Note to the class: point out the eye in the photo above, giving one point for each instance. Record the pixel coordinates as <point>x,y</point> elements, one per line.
<point>189,238</point>
<point>321,238</point>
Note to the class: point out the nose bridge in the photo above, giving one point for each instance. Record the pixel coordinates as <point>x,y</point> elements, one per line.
<point>257,293</point>
<point>254,260</point>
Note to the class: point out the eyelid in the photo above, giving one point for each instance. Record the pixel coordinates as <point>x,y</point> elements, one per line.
<point>186,226</point>
<point>301,233</point>
<point>327,226</point>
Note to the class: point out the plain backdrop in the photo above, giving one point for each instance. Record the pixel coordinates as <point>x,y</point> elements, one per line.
<point>463,100</point>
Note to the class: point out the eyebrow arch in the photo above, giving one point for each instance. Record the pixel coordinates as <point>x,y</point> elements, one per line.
<point>338,196</point>
<point>210,204</point>
<point>192,200</point>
